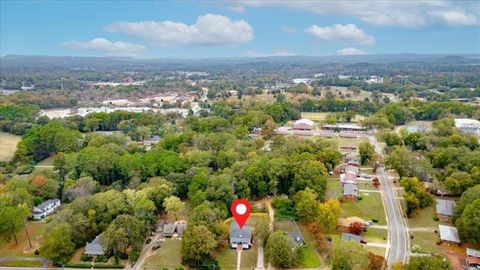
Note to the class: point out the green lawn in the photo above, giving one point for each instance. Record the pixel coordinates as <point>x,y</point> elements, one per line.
<point>427,241</point>
<point>227,259</point>
<point>370,207</point>
<point>375,235</point>
<point>21,263</point>
<point>333,187</point>
<point>22,249</point>
<point>424,218</point>
<point>366,186</point>
<point>310,257</point>
<point>168,256</point>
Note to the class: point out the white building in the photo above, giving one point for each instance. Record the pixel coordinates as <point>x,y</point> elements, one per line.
<point>46,208</point>
<point>468,125</point>
<point>375,79</point>
<point>302,80</point>
<point>303,124</point>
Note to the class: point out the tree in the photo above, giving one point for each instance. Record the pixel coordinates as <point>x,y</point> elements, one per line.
<point>407,163</point>
<point>312,174</point>
<point>330,211</point>
<point>173,205</point>
<point>458,182</point>
<point>197,245</point>
<point>58,245</point>
<point>349,255</point>
<point>306,205</point>
<point>355,228</point>
<point>12,219</point>
<point>466,199</point>
<point>469,222</point>
<point>377,262</point>
<point>123,233</point>
<point>262,229</point>
<point>428,263</point>
<point>281,250</point>
<point>366,151</point>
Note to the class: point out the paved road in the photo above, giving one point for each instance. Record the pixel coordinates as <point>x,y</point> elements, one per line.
<point>397,230</point>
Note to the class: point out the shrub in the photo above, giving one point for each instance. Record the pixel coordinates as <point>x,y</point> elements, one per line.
<point>86,258</point>
<point>435,218</point>
<point>416,249</point>
<point>36,252</point>
<point>374,220</point>
<point>359,198</point>
<point>101,259</point>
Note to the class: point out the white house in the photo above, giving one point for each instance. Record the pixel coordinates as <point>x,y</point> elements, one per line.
<point>46,208</point>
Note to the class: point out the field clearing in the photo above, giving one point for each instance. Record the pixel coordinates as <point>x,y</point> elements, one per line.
<point>424,218</point>
<point>427,242</point>
<point>46,162</point>
<point>8,145</point>
<point>21,263</point>
<point>375,235</point>
<point>10,249</point>
<point>368,208</point>
<point>227,259</point>
<point>315,116</point>
<point>168,256</point>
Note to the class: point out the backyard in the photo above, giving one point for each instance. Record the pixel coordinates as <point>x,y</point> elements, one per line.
<point>168,256</point>
<point>22,249</point>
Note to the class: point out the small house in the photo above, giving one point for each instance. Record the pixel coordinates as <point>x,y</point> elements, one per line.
<point>449,234</point>
<point>445,208</point>
<point>240,236</point>
<point>180,228</point>
<point>350,191</point>
<point>168,229</point>
<point>351,237</point>
<point>94,248</point>
<point>46,208</point>
<point>303,124</point>
<point>473,258</point>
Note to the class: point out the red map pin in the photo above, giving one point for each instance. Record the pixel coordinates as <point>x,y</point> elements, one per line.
<point>240,211</point>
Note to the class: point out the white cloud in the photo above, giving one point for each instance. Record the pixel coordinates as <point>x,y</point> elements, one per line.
<point>236,8</point>
<point>276,52</point>
<point>350,51</point>
<point>209,29</point>
<point>410,14</point>
<point>455,17</point>
<point>288,29</point>
<point>117,48</point>
<point>346,33</point>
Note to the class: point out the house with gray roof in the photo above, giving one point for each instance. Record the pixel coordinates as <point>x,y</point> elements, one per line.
<point>94,248</point>
<point>449,234</point>
<point>46,208</point>
<point>351,237</point>
<point>445,208</point>
<point>240,236</point>
<point>168,229</point>
<point>181,227</point>
<point>350,191</point>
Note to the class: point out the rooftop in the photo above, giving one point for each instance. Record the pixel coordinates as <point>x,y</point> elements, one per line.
<point>45,205</point>
<point>94,247</point>
<point>445,207</point>
<point>238,234</point>
<point>351,237</point>
<point>304,121</point>
<point>473,252</point>
<point>448,233</point>
<point>350,189</point>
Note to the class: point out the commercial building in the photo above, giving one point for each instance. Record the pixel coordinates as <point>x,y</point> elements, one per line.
<point>303,124</point>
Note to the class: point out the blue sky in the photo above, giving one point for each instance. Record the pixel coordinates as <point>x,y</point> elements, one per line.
<point>238,28</point>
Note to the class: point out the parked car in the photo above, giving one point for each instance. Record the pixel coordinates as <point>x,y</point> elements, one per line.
<point>149,241</point>
<point>156,247</point>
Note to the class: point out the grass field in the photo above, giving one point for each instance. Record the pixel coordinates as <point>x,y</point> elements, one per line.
<point>427,242</point>
<point>424,218</point>
<point>168,256</point>
<point>315,116</point>
<point>21,263</point>
<point>8,145</point>
<point>376,250</point>
<point>333,187</point>
<point>375,235</point>
<point>370,207</point>
<point>310,256</point>
<point>46,162</point>
<point>11,249</point>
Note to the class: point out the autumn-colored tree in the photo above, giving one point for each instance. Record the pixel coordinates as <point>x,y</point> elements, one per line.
<point>356,228</point>
<point>377,262</point>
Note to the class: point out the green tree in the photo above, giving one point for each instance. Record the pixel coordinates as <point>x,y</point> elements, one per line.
<point>366,151</point>
<point>12,219</point>
<point>469,223</point>
<point>329,212</point>
<point>466,199</point>
<point>428,263</point>
<point>58,245</point>
<point>458,182</point>
<point>197,245</point>
<point>173,205</point>
<point>306,205</point>
<point>349,255</point>
<point>262,229</point>
<point>281,250</point>
<point>123,233</point>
